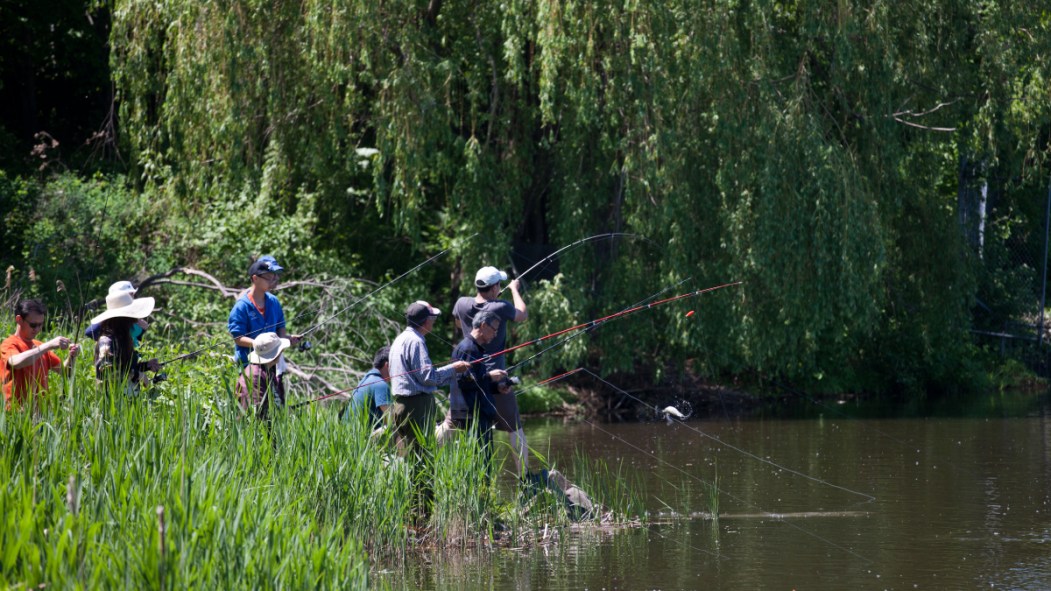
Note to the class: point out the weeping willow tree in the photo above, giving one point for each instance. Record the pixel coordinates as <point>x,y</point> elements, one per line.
<point>807,149</point>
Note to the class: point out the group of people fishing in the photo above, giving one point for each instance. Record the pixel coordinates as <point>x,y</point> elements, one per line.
<point>398,391</point>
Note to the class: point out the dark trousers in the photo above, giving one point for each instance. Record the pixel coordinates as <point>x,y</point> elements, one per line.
<point>413,418</point>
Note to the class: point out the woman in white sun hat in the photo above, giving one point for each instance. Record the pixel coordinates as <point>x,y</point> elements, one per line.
<point>260,385</point>
<point>116,360</point>
<point>137,329</point>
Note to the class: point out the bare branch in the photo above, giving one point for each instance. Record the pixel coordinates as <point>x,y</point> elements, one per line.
<point>925,127</point>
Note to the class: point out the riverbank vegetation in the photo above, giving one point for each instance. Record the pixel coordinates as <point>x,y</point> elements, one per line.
<point>177,488</point>
<point>825,156</point>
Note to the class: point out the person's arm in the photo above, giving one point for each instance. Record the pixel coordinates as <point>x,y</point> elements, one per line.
<point>67,365</point>
<point>521,312</point>
<point>381,394</point>
<point>27,358</point>
<point>292,338</point>
<point>430,375</point>
<point>237,325</point>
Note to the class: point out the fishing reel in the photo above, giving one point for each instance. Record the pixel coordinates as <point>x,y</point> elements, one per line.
<point>510,381</point>
<point>304,346</point>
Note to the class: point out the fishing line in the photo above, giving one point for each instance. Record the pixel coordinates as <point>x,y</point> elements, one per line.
<point>867,496</point>
<point>695,477</point>
<point>320,324</point>
<point>565,340</point>
<point>730,495</point>
<point>591,323</point>
<point>551,256</point>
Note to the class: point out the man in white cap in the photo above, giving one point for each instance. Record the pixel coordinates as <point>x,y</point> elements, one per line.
<point>260,385</point>
<point>487,283</point>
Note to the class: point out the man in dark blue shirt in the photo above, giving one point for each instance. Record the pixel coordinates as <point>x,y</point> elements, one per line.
<point>471,397</point>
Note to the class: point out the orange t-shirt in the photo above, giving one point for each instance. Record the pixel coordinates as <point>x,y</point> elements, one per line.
<point>19,383</point>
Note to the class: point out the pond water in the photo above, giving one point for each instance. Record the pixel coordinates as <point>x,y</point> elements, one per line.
<point>826,502</point>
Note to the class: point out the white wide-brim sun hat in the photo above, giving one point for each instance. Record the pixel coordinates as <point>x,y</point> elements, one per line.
<point>267,347</point>
<point>125,305</point>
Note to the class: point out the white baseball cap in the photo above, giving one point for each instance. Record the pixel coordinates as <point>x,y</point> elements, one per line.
<point>488,276</point>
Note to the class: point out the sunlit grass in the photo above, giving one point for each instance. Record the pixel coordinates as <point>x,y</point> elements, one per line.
<point>178,488</point>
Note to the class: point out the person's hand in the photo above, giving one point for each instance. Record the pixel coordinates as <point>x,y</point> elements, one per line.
<point>497,375</point>
<point>461,366</point>
<point>513,286</point>
<point>73,350</point>
<point>153,365</point>
<point>57,343</point>
<point>294,339</point>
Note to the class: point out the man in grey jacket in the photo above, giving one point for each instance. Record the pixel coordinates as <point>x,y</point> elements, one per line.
<point>413,378</point>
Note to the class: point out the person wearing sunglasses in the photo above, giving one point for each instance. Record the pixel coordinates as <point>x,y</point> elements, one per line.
<point>257,311</point>
<point>25,361</point>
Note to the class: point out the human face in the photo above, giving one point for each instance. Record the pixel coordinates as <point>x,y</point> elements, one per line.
<point>428,325</point>
<point>266,281</point>
<point>29,326</point>
<point>488,332</point>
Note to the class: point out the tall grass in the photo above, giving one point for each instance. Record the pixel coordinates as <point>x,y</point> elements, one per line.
<point>177,488</point>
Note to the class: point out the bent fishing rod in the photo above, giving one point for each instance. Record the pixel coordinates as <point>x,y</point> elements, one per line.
<point>594,323</point>
<point>313,328</point>
<point>562,342</point>
<point>582,326</point>
<point>568,247</point>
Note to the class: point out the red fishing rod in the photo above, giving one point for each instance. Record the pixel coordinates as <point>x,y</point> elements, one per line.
<point>593,323</point>
<point>583,326</point>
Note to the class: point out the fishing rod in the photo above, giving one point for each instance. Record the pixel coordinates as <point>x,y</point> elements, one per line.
<point>584,325</point>
<point>568,338</point>
<point>551,256</point>
<point>306,345</point>
<point>593,323</point>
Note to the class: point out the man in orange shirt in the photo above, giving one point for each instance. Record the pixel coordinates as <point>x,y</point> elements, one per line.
<point>24,361</point>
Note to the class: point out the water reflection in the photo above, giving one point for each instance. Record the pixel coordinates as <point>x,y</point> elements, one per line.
<point>958,502</point>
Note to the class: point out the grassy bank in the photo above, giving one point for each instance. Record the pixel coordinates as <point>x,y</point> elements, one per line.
<point>177,489</point>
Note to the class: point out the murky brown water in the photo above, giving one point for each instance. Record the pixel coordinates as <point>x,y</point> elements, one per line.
<point>825,503</point>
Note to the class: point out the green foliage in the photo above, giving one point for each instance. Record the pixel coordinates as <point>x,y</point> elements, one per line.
<point>809,150</point>
<point>304,501</point>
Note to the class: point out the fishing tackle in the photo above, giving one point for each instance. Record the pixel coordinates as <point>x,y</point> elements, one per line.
<point>585,326</point>
<point>626,312</point>
<point>304,346</point>
<point>551,256</point>
<point>315,327</point>
<point>565,340</point>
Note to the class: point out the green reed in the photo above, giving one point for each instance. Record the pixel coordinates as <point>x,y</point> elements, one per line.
<point>178,488</point>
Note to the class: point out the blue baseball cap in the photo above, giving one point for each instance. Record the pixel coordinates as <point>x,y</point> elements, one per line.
<point>265,264</point>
